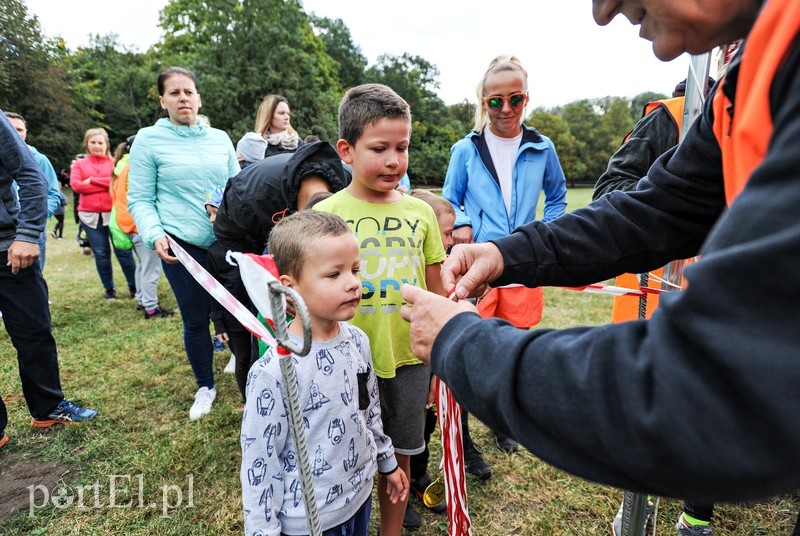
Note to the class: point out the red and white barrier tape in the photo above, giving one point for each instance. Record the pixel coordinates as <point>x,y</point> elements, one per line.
<point>222,295</point>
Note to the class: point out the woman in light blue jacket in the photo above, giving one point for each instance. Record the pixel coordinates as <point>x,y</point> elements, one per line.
<point>172,166</point>
<point>493,181</point>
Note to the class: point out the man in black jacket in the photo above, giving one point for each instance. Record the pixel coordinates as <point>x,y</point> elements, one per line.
<point>253,202</point>
<point>23,291</point>
<point>701,400</point>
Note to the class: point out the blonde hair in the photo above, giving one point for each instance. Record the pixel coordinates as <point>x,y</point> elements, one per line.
<point>503,62</point>
<point>439,204</point>
<point>92,132</point>
<point>265,112</point>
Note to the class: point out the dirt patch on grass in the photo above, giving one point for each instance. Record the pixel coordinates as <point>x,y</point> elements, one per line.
<point>19,477</point>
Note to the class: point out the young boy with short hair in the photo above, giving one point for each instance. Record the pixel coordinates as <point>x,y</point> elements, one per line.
<point>400,243</point>
<point>317,254</point>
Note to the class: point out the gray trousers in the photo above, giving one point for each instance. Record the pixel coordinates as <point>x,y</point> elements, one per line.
<point>148,271</point>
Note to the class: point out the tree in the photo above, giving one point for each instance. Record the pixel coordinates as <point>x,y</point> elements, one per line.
<point>339,46</point>
<point>114,86</point>
<point>557,129</point>
<point>243,50</point>
<point>34,85</point>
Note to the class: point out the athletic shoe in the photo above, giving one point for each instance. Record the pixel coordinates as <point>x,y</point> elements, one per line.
<point>218,346</point>
<point>411,519</point>
<point>111,294</point>
<point>3,440</point>
<point>139,306</point>
<point>230,368</point>
<point>132,290</point>
<point>507,444</point>
<point>65,412</point>
<point>616,526</point>
<point>684,529</point>
<point>53,234</point>
<point>202,402</point>
<point>418,487</point>
<point>158,313</point>
<point>474,463</point>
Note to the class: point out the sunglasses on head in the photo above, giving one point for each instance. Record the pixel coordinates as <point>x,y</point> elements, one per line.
<point>495,103</point>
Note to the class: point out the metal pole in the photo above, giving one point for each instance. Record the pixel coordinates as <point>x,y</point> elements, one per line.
<point>696,91</point>
<point>295,412</point>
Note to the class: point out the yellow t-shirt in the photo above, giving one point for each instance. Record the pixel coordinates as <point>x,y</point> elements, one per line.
<point>397,241</point>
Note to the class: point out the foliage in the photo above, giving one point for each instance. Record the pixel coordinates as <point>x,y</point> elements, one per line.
<point>114,86</point>
<point>242,50</point>
<point>340,46</point>
<point>34,84</point>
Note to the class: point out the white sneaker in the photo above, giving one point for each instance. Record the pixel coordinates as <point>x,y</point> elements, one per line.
<point>203,399</point>
<point>230,368</point>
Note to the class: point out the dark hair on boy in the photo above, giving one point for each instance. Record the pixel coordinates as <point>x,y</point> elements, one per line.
<point>292,237</point>
<point>367,104</point>
<point>162,78</point>
<point>439,204</point>
<point>316,198</point>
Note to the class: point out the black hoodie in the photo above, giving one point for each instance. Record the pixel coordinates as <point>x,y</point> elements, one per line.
<point>257,198</point>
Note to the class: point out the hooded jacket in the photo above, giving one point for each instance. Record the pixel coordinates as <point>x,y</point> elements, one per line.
<point>23,220</point>
<point>472,182</point>
<point>171,169</point>
<point>258,197</point>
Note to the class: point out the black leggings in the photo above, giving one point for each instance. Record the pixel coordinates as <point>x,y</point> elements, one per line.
<point>58,230</point>
<point>241,345</point>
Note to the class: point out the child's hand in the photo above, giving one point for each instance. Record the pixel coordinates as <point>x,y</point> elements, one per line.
<point>397,486</point>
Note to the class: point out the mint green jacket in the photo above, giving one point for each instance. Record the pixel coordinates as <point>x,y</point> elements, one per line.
<point>171,169</point>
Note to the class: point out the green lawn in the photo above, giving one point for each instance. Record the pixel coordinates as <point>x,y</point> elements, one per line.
<point>136,374</point>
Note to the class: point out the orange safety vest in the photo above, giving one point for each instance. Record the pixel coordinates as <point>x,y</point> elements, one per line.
<point>625,307</point>
<point>744,142</point>
<point>119,195</point>
<point>675,108</point>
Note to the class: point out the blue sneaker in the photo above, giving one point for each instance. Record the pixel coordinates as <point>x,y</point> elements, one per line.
<point>66,412</point>
<point>218,346</point>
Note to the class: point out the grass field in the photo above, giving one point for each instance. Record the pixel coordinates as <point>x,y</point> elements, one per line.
<point>142,454</point>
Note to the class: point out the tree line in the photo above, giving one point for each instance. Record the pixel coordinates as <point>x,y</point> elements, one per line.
<point>242,50</point>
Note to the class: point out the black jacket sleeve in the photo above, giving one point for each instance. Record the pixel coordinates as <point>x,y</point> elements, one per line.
<point>652,136</point>
<point>698,402</point>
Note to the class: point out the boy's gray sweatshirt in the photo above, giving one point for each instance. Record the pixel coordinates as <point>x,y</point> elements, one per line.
<point>346,443</point>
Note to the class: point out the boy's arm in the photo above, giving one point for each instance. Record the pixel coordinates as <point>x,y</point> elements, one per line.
<point>263,438</point>
<point>433,279</point>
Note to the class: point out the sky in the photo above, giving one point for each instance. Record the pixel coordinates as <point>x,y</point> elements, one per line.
<point>567,56</point>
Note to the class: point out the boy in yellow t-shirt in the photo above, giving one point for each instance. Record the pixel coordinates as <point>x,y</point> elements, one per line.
<point>399,243</point>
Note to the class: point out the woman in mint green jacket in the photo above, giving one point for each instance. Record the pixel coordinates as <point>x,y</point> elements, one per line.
<point>172,166</point>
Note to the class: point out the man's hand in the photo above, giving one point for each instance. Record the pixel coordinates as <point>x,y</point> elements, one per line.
<point>471,267</point>
<point>22,255</point>
<point>428,313</point>
<point>162,250</point>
